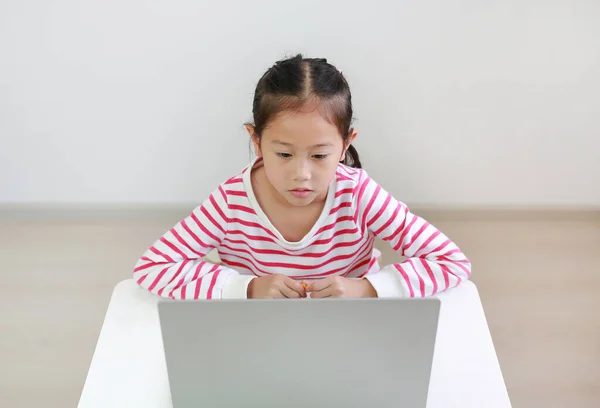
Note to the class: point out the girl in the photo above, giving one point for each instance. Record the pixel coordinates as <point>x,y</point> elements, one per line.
<point>303,216</point>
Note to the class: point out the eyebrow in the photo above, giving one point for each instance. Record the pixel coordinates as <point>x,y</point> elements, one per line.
<point>291,145</point>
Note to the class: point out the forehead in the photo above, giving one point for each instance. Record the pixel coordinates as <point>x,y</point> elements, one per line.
<point>302,128</point>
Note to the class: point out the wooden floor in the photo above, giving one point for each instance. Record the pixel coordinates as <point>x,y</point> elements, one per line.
<point>539,282</point>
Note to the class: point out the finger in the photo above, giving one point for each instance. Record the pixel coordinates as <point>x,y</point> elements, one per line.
<point>320,284</point>
<point>289,292</point>
<point>295,286</point>
<point>321,294</point>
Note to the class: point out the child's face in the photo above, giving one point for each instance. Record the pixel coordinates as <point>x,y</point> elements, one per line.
<point>301,151</point>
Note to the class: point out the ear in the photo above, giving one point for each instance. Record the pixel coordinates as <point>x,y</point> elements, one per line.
<point>351,136</point>
<point>255,139</point>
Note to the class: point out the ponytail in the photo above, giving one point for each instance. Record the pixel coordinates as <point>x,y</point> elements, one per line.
<point>351,159</point>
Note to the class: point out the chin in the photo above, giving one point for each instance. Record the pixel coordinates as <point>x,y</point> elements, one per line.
<point>300,202</point>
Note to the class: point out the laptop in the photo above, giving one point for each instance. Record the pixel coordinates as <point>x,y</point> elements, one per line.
<point>372,353</point>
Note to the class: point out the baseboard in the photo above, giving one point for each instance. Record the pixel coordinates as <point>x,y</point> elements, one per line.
<point>175,212</point>
<point>509,213</point>
<point>93,212</point>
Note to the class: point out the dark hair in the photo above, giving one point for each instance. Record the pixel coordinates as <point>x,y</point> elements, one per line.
<point>292,82</point>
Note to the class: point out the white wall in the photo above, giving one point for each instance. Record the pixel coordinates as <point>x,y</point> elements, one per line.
<point>458,102</point>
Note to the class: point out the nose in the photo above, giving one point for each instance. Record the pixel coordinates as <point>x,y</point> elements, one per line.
<point>302,170</point>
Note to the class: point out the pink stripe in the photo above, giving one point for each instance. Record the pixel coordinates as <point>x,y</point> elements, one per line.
<point>143,278</point>
<point>452,273</point>
<point>252,237</point>
<point>358,266</point>
<point>204,229</point>
<point>431,275</point>
<point>290,265</point>
<point>184,242</point>
<point>365,214</point>
<point>389,221</point>
<point>446,273</point>
<point>400,228</point>
<point>198,269</point>
<point>445,258</point>
<point>157,252</point>
<point>344,191</point>
<point>234,181</point>
<point>452,252</point>
<point>174,276</point>
<point>373,260</point>
<point>381,210</point>
<point>360,194</point>
<point>461,266</point>
<point>194,236</point>
<point>421,281</point>
<point>158,278</point>
<point>242,208</point>
<point>177,286</point>
<point>363,251</point>
<point>347,170</point>
<point>223,194</point>
<point>240,265</point>
<point>341,177</point>
<point>148,265</point>
<point>173,247</point>
<point>283,253</point>
<point>339,207</point>
<point>198,281</point>
<point>416,236</point>
<point>236,193</point>
<point>211,288</point>
<point>217,207</point>
<point>252,268</point>
<point>145,258</point>
<point>442,246</point>
<point>251,224</point>
<point>212,220</point>
<point>255,269</point>
<point>337,234</point>
<point>406,279</point>
<point>333,224</point>
<point>406,230</point>
<point>431,238</point>
<point>210,217</point>
<point>324,241</point>
<point>183,291</point>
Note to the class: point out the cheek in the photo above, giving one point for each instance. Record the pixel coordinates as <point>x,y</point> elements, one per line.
<point>274,171</point>
<point>326,172</point>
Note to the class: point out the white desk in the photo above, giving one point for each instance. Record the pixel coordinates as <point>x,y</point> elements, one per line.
<point>128,368</point>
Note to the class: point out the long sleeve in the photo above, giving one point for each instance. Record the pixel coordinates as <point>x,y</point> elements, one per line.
<point>174,266</point>
<point>433,263</point>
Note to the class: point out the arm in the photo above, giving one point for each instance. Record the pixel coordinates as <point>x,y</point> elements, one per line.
<point>433,262</point>
<point>174,266</point>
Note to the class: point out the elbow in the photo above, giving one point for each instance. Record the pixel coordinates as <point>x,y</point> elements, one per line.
<point>140,272</point>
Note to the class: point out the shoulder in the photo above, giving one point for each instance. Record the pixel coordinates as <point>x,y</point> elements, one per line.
<point>349,176</point>
<point>230,190</point>
<point>352,178</point>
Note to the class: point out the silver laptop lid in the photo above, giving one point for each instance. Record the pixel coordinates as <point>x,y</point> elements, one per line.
<point>299,353</point>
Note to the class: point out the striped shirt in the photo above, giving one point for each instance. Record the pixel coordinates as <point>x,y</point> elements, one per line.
<point>356,211</point>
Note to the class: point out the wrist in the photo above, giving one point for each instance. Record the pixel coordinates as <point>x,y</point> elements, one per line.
<point>250,289</point>
<point>368,289</point>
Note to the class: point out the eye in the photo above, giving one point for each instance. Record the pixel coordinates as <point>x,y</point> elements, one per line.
<point>320,156</point>
<point>284,155</point>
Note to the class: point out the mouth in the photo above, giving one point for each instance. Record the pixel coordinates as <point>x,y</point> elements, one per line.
<point>301,192</point>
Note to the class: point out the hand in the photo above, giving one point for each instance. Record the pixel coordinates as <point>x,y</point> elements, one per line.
<point>340,287</point>
<point>275,287</point>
